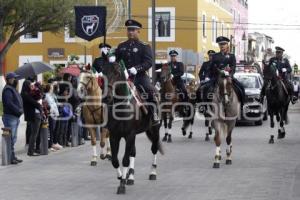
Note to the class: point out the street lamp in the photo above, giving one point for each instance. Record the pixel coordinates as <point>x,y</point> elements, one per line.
<point>153,41</point>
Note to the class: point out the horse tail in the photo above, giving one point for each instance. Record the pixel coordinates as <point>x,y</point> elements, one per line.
<point>159,144</point>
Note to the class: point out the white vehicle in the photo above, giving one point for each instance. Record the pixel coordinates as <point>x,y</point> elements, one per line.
<point>252,110</point>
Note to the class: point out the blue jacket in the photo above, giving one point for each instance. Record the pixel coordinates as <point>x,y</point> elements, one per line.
<point>12,101</point>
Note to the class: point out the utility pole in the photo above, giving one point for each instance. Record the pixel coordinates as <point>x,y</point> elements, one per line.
<point>153,41</point>
<point>129,9</point>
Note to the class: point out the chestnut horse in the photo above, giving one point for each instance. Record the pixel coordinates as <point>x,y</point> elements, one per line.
<point>92,111</point>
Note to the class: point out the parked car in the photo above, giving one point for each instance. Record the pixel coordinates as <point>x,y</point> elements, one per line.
<point>253,110</point>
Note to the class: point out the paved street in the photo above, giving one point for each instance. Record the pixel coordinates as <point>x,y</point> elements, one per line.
<point>260,171</point>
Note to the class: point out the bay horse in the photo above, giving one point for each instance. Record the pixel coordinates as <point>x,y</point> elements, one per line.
<point>92,112</point>
<point>188,120</point>
<point>277,101</point>
<point>226,110</point>
<point>126,119</point>
<point>169,98</point>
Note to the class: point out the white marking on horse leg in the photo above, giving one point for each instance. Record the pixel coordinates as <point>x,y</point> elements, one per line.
<point>125,170</point>
<point>229,151</point>
<point>225,90</point>
<point>102,150</point>
<point>131,165</point>
<point>154,165</point>
<point>108,149</point>
<point>218,154</point>
<point>119,173</point>
<point>94,150</point>
<point>166,130</point>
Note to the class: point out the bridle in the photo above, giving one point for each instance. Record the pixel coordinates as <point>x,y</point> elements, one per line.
<point>92,111</point>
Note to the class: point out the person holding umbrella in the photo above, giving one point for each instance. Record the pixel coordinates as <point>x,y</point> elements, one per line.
<point>12,109</point>
<point>33,115</point>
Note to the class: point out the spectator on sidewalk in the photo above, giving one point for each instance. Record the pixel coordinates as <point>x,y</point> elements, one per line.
<point>50,97</point>
<point>12,109</point>
<point>33,114</point>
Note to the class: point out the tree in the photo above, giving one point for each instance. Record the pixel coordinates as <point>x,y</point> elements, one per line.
<point>20,17</point>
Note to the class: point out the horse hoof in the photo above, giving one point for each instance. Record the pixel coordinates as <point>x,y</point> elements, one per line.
<point>102,156</point>
<point>183,132</point>
<point>190,136</point>
<point>120,178</point>
<point>165,138</point>
<point>130,182</point>
<point>272,125</point>
<point>209,131</point>
<point>121,190</point>
<point>152,177</point>
<point>207,138</point>
<point>271,141</point>
<point>228,162</point>
<point>281,135</point>
<point>169,139</point>
<point>108,157</point>
<point>216,165</point>
<point>206,123</point>
<point>93,163</point>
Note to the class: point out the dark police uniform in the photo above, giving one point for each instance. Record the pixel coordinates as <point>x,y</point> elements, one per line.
<point>205,71</point>
<point>205,68</point>
<point>138,54</point>
<point>177,70</point>
<point>100,61</point>
<point>278,64</point>
<point>219,62</point>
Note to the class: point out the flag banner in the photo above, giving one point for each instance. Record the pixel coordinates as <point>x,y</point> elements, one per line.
<point>90,22</point>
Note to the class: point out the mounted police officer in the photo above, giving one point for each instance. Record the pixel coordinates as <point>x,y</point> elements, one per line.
<point>224,60</point>
<point>177,70</point>
<point>284,68</point>
<point>101,61</point>
<point>204,73</point>
<point>137,57</point>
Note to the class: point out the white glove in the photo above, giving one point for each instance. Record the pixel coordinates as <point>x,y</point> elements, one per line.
<point>172,76</point>
<point>283,69</point>
<point>100,74</point>
<point>206,79</point>
<point>132,71</point>
<point>112,59</point>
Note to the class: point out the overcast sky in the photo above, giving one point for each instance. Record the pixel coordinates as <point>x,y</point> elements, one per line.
<point>278,12</point>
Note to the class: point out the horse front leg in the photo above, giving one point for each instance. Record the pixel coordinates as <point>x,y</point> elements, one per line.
<point>218,149</point>
<point>281,130</point>
<point>108,148</point>
<point>130,174</point>
<point>169,128</point>
<point>165,120</point>
<point>102,143</point>
<point>271,140</point>
<point>92,131</point>
<point>125,162</point>
<point>229,149</point>
<point>156,145</point>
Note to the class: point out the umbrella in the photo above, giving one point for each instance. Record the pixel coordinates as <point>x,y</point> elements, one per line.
<point>74,70</point>
<point>33,69</point>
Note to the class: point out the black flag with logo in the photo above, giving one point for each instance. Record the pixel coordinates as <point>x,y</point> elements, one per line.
<point>90,22</point>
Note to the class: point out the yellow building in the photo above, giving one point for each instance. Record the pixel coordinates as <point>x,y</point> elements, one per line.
<point>191,26</point>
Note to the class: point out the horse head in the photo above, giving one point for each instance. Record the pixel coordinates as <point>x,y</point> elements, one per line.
<point>87,83</point>
<point>165,73</point>
<point>116,77</point>
<point>225,85</point>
